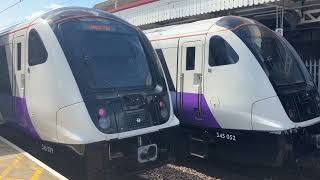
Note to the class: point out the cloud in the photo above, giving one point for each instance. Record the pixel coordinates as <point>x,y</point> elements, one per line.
<point>54,6</point>
<point>35,14</point>
<point>40,12</point>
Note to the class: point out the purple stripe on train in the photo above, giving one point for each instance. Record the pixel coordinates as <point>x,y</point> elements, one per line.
<point>189,115</point>
<point>23,117</point>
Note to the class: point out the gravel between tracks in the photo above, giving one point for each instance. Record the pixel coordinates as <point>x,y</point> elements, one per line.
<point>173,172</point>
<point>198,169</point>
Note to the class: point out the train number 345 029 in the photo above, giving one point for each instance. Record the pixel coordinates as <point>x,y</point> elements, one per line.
<point>229,137</point>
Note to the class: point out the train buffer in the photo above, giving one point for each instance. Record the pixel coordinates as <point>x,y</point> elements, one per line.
<point>16,164</point>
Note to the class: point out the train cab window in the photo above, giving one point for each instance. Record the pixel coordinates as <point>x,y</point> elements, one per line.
<point>221,53</point>
<point>191,57</point>
<point>19,56</point>
<point>37,51</point>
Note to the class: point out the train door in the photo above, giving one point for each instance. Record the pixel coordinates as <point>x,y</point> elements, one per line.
<point>19,77</point>
<point>6,98</point>
<point>226,86</point>
<point>190,81</point>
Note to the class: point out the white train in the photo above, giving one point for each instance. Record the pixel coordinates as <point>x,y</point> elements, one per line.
<point>87,79</point>
<point>236,83</point>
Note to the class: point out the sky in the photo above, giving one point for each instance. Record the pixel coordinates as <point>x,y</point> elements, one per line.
<point>30,8</point>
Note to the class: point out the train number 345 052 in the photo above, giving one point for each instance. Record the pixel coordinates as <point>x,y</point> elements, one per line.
<point>229,137</point>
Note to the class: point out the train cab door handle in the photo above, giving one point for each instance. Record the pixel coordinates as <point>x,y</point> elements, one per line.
<point>181,90</point>
<point>28,70</point>
<point>22,78</point>
<point>197,79</point>
<point>181,81</point>
<point>200,78</point>
<point>215,102</point>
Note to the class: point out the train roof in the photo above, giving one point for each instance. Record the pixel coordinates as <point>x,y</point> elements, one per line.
<point>197,27</point>
<point>63,13</point>
<point>177,30</point>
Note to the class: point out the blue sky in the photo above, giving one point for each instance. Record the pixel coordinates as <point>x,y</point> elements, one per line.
<point>29,8</point>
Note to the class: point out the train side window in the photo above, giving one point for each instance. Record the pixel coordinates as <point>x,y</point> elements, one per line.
<point>165,69</point>
<point>191,57</point>
<point>221,53</point>
<point>37,53</point>
<point>19,56</point>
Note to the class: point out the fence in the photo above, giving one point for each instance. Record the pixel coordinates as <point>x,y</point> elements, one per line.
<point>313,66</point>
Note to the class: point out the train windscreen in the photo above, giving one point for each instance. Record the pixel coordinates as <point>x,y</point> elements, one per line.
<point>276,56</point>
<point>278,59</point>
<point>105,54</point>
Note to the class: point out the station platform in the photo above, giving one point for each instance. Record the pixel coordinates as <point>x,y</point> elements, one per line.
<point>16,164</point>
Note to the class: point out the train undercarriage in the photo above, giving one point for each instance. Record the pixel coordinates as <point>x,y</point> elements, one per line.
<point>258,148</point>
<point>123,158</point>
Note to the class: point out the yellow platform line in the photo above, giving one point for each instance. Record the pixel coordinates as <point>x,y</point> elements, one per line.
<point>37,173</point>
<point>9,168</point>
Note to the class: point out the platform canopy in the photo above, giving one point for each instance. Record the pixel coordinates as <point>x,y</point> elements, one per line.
<point>142,12</point>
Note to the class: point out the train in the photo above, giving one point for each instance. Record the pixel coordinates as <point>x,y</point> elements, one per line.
<point>240,91</point>
<point>85,80</point>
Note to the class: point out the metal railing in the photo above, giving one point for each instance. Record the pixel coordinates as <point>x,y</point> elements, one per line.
<point>313,65</point>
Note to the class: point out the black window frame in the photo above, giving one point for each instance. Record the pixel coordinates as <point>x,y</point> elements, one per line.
<point>224,62</point>
<point>40,45</point>
<point>165,69</point>
<point>19,56</point>
<point>190,58</point>
<point>5,82</point>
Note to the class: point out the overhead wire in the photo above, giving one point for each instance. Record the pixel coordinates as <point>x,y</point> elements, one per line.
<point>20,1</point>
<point>11,6</point>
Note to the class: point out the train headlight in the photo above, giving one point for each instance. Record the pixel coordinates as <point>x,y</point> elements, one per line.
<point>318,100</point>
<point>162,104</point>
<point>104,120</point>
<point>164,111</point>
<point>292,114</point>
<point>101,112</point>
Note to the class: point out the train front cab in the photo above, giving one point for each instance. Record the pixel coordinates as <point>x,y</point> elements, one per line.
<point>92,86</point>
<point>244,91</point>
<point>125,94</point>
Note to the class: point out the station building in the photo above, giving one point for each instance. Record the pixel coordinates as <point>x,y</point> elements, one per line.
<point>297,20</point>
